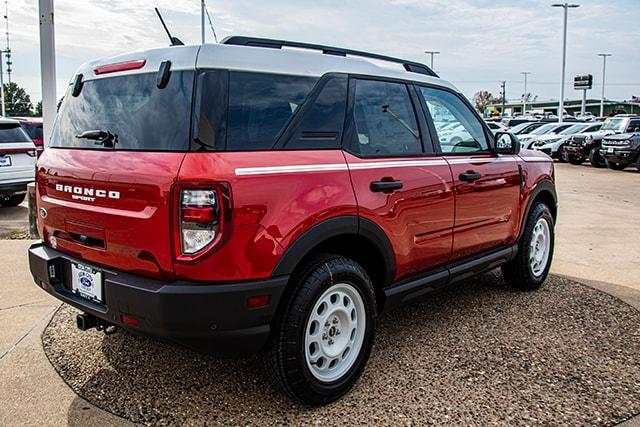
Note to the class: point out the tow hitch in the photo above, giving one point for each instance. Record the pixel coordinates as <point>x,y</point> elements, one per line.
<point>86,321</point>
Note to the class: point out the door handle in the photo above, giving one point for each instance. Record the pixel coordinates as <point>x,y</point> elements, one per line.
<point>386,186</point>
<point>470,176</point>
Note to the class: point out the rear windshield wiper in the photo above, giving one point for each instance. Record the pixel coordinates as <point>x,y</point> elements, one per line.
<point>101,137</point>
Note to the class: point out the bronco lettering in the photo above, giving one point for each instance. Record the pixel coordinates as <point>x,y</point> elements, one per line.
<point>87,193</point>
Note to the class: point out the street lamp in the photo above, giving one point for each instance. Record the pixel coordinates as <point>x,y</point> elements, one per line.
<point>524,96</point>
<point>604,67</point>
<point>432,53</point>
<point>566,7</point>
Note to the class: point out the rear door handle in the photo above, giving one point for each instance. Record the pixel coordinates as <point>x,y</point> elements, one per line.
<point>386,186</point>
<point>470,176</point>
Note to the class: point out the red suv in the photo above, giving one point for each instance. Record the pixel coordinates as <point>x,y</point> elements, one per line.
<point>244,197</point>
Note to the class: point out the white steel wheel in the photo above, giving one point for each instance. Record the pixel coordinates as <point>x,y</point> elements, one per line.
<point>539,247</point>
<point>334,332</point>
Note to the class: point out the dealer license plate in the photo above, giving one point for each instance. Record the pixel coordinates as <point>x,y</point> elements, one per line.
<point>86,282</point>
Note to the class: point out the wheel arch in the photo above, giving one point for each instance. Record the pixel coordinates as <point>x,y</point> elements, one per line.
<point>351,236</point>
<point>544,192</point>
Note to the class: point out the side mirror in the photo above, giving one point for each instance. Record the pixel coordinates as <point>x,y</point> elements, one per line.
<point>507,143</point>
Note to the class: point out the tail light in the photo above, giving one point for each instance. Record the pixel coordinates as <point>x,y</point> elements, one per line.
<point>203,218</point>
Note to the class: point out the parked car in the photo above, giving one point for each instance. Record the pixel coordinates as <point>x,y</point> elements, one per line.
<point>17,162</point>
<point>254,198</point>
<point>529,139</point>
<point>525,128</point>
<point>621,150</point>
<point>582,147</point>
<point>553,144</point>
<point>33,127</point>
<point>496,127</point>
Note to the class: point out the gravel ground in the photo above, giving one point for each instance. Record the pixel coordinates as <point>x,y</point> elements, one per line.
<point>478,354</point>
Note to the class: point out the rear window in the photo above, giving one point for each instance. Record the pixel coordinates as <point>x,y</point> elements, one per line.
<point>12,133</point>
<point>260,107</point>
<point>33,130</point>
<point>133,109</point>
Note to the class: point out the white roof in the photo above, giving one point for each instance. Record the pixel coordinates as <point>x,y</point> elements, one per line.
<point>301,62</point>
<point>8,121</point>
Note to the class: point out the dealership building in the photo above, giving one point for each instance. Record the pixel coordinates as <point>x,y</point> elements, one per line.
<point>573,107</point>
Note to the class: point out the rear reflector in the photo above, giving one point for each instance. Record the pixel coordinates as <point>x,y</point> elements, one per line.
<point>258,301</point>
<point>120,66</point>
<point>130,320</point>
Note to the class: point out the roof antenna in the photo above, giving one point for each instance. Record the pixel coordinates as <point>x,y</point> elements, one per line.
<point>215,36</point>
<point>174,40</point>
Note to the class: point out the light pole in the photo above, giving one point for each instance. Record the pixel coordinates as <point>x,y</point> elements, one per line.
<point>431,53</point>
<point>202,9</point>
<point>566,7</point>
<point>47,66</point>
<point>604,68</point>
<point>524,97</point>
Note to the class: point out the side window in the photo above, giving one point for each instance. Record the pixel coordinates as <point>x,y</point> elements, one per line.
<point>384,120</point>
<point>260,106</point>
<point>323,121</point>
<point>458,129</point>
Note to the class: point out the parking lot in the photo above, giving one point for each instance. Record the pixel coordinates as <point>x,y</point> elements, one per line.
<point>446,365</point>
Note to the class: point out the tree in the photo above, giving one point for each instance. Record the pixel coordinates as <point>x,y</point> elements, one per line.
<point>38,110</point>
<point>17,100</point>
<point>483,99</point>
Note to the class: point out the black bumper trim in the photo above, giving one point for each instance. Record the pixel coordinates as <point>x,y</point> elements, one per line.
<point>205,317</point>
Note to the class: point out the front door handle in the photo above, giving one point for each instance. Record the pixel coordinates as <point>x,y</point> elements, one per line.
<point>386,186</point>
<point>470,176</point>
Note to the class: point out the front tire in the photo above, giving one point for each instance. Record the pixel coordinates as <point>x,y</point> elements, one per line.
<point>530,268</point>
<point>596,160</point>
<point>324,334</point>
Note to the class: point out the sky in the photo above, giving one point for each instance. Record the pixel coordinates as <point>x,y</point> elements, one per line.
<point>482,42</point>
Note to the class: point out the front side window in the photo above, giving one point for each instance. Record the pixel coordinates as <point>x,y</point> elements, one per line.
<point>260,107</point>
<point>458,129</point>
<point>384,119</point>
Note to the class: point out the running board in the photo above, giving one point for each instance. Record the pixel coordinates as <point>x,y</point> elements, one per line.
<point>417,287</point>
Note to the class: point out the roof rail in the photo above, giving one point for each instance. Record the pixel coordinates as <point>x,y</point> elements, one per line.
<point>413,67</point>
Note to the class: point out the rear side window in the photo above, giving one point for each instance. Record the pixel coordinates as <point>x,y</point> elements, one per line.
<point>12,133</point>
<point>133,109</point>
<point>322,120</point>
<point>384,119</point>
<point>260,107</point>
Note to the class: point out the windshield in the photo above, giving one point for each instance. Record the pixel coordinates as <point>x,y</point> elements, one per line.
<point>132,109</point>
<point>12,133</point>
<point>616,125</point>
<point>543,129</point>
<point>573,129</point>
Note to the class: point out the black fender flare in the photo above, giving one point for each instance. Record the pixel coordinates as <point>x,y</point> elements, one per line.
<point>333,227</point>
<point>542,186</point>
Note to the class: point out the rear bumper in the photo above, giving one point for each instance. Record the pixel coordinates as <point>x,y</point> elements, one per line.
<point>11,188</point>
<point>205,317</point>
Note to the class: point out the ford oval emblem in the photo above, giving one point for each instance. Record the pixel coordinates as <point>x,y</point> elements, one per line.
<point>43,213</point>
<point>86,281</point>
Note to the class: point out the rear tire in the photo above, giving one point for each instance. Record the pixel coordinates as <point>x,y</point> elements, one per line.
<point>14,200</point>
<point>530,268</point>
<point>596,160</point>
<point>324,334</point>
<point>615,166</point>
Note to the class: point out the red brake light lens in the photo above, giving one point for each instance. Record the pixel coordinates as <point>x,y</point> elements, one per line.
<point>120,66</point>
